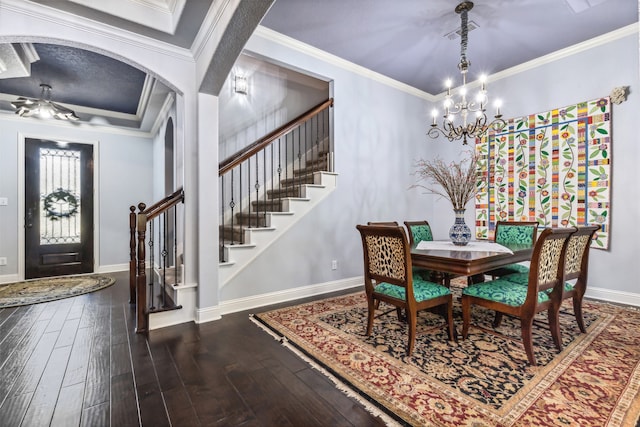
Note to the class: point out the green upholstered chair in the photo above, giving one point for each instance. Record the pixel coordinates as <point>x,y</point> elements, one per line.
<point>514,232</point>
<point>419,231</point>
<point>388,278</point>
<point>575,268</point>
<point>543,290</point>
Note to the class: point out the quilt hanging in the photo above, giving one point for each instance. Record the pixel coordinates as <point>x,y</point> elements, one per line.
<point>552,167</point>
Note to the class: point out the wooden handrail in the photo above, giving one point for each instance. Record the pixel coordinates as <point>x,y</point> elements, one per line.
<point>250,150</point>
<point>164,204</point>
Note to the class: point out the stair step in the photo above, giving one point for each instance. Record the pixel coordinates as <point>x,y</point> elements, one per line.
<point>298,180</point>
<point>317,161</point>
<point>272,205</point>
<point>284,192</point>
<point>245,218</point>
<point>233,234</point>
<point>316,167</point>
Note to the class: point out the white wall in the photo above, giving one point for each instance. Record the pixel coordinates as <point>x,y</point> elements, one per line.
<point>380,131</point>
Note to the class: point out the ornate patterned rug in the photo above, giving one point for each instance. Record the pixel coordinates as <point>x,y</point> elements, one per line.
<point>50,289</point>
<point>482,381</point>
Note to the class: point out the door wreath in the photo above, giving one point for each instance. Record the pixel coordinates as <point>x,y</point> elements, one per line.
<point>60,204</point>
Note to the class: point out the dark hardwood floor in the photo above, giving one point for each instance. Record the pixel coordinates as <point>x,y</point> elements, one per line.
<point>77,362</point>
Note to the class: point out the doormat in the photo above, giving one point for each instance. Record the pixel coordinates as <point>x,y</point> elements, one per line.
<point>484,380</point>
<point>50,289</point>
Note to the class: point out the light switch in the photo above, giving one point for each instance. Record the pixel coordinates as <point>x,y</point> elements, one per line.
<point>4,201</point>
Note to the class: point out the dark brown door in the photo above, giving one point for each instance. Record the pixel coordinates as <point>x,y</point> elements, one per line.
<point>58,208</point>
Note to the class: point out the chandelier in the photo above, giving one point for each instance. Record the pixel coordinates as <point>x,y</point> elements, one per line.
<point>42,107</point>
<point>472,121</point>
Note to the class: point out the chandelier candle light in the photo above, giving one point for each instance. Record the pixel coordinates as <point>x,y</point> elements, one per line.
<point>462,107</point>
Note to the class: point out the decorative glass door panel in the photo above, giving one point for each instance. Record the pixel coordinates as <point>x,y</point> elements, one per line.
<point>58,208</point>
<point>60,198</point>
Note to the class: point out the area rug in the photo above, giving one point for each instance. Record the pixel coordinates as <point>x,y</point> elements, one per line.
<point>50,289</point>
<point>484,380</point>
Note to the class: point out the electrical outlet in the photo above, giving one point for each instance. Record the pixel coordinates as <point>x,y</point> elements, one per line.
<point>3,260</point>
<point>334,264</point>
<point>4,201</point>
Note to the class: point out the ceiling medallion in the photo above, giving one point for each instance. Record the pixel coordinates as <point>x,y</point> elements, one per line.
<point>456,123</point>
<point>43,107</point>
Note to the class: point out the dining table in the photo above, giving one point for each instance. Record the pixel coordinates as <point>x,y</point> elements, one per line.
<point>471,260</point>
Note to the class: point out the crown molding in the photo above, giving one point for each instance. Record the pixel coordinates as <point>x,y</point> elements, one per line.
<point>568,51</point>
<point>299,46</point>
<point>365,72</point>
<point>208,27</point>
<point>48,14</point>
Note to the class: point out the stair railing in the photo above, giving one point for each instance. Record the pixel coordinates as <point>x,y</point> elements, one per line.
<point>160,219</point>
<point>257,179</point>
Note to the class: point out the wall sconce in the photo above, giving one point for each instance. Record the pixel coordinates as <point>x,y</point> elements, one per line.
<point>241,85</point>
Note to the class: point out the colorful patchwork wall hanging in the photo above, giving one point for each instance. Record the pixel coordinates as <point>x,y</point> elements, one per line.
<point>552,167</point>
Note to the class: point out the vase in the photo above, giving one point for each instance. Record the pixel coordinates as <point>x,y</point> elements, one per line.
<point>459,233</point>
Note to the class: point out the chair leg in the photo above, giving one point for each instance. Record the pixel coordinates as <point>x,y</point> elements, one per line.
<point>466,315</point>
<point>371,304</point>
<point>497,320</point>
<point>527,339</point>
<point>553,314</point>
<point>411,320</point>
<point>453,334</point>
<point>577,309</point>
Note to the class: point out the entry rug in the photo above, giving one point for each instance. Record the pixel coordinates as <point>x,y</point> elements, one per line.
<point>484,380</point>
<point>50,289</point>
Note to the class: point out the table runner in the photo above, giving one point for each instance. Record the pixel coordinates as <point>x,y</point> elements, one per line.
<point>473,246</point>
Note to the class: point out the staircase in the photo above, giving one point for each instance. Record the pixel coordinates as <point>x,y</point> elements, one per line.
<point>281,211</point>
<point>271,185</point>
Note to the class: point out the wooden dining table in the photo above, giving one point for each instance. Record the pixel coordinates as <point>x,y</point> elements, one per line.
<point>453,262</point>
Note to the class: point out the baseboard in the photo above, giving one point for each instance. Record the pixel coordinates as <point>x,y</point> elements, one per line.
<point>241,304</point>
<point>9,278</point>
<point>208,314</point>
<point>113,268</point>
<point>619,297</point>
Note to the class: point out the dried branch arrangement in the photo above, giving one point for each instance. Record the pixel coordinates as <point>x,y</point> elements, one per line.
<point>457,181</point>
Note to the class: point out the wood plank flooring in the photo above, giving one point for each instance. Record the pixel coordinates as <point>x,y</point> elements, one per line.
<point>77,362</point>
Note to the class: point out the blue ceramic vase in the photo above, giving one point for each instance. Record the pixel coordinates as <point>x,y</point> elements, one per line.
<point>459,233</point>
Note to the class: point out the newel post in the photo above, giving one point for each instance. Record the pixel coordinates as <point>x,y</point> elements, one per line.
<point>132,255</point>
<point>141,281</point>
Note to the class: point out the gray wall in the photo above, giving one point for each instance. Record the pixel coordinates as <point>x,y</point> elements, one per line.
<point>380,131</point>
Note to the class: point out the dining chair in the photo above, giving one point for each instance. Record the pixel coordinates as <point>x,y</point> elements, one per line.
<point>514,232</point>
<point>576,267</point>
<point>543,290</point>
<point>419,231</point>
<point>387,277</point>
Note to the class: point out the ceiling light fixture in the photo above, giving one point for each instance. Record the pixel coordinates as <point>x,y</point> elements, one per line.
<point>452,108</point>
<point>43,107</point>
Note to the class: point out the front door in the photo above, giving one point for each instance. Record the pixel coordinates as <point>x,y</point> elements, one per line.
<point>58,208</point>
